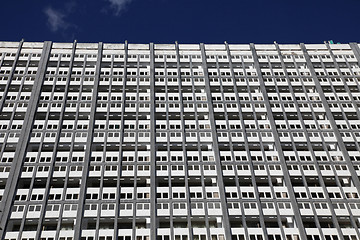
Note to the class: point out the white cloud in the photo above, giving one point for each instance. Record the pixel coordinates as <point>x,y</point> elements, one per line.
<point>118,5</point>
<point>55,19</point>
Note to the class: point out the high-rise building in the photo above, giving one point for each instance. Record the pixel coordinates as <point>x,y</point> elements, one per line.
<point>179,141</point>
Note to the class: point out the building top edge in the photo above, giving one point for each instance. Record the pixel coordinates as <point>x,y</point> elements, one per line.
<point>172,43</point>
<point>182,46</point>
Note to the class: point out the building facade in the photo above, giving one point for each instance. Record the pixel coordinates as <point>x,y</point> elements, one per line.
<point>179,141</point>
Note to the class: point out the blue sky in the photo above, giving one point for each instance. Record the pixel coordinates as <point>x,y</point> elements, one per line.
<point>185,21</point>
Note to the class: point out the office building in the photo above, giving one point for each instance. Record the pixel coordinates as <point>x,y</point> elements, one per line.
<point>179,141</point>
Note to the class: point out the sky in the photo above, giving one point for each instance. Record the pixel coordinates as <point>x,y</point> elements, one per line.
<point>185,21</point>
